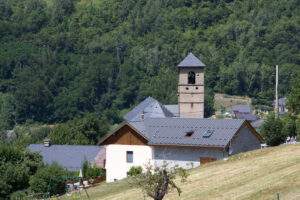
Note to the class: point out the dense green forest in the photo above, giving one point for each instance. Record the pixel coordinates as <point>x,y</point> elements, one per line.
<point>69,61</point>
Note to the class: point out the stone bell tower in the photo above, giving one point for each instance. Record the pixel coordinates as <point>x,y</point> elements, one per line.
<point>191,87</point>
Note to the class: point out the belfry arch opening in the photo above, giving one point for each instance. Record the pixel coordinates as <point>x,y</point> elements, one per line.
<point>191,77</point>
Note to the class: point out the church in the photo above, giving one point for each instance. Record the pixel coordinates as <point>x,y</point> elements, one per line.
<point>153,133</point>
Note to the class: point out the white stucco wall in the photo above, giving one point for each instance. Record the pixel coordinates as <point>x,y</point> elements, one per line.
<point>185,157</point>
<point>116,165</point>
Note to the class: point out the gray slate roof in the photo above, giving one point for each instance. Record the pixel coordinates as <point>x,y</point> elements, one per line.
<point>172,131</point>
<point>241,108</point>
<point>191,61</point>
<point>174,109</point>
<point>150,107</point>
<point>70,157</point>
<point>140,127</point>
<point>257,124</point>
<point>246,116</point>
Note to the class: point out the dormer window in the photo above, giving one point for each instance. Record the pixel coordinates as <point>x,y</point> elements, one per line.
<point>208,133</point>
<point>189,133</point>
<point>191,77</point>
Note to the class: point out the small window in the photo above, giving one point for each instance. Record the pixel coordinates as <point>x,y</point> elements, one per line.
<point>196,88</point>
<point>187,88</point>
<point>191,78</point>
<point>208,133</point>
<point>192,105</point>
<point>129,156</point>
<point>189,133</point>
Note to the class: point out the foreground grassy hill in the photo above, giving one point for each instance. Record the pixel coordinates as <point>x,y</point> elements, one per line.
<point>255,175</point>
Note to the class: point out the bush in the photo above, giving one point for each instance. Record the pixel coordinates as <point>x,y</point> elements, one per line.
<point>19,195</point>
<point>289,128</point>
<point>272,131</point>
<point>133,171</point>
<point>16,166</point>
<point>90,171</point>
<point>50,179</point>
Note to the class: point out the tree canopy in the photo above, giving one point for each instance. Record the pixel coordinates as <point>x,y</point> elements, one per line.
<point>60,60</point>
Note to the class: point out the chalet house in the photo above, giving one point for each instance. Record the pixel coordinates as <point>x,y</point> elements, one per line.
<point>177,134</point>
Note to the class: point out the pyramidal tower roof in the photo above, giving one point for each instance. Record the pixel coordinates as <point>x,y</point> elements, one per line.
<point>191,61</point>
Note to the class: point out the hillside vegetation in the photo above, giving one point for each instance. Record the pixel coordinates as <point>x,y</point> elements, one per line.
<point>255,175</point>
<point>62,59</point>
<point>224,101</point>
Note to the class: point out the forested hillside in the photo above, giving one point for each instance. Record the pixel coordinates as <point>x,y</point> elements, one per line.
<point>63,59</point>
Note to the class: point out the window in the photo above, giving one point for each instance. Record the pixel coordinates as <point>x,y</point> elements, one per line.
<point>208,133</point>
<point>191,78</point>
<point>189,133</point>
<point>129,156</point>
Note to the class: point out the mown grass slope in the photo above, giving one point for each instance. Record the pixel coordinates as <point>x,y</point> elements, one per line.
<point>259,174</point>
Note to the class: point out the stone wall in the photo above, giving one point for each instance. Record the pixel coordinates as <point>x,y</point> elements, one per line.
<point>191,96</point>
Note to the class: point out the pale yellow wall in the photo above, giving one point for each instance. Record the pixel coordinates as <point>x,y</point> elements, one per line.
<point>186,110</point>
<point>191,89</point>
<point>189,94</point>
<point>195,98</point>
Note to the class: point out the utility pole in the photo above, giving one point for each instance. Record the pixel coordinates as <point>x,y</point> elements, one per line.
<point>276,93</point>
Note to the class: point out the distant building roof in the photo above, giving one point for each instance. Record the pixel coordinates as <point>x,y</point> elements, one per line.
<point>70,157</point>
<point>246,116</point>
<point>174,109</point>
<point>257,124</point>
<point>281,101</point>
<point>191,61</point>
<point>241,108</point>
<point>150,107</point>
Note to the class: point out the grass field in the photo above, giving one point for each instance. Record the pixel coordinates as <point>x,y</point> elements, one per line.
<point>254,175</point>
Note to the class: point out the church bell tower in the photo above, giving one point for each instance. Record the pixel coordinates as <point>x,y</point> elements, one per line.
<point>191,87</point>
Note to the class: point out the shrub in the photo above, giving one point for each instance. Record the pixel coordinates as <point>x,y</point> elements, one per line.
<point>50,179</point>
<point>92,171</point>
<point>272,131</point>
<point>133,171</point>
<point>21,194</point>
<point>16,166</point>
<point>289,126</point>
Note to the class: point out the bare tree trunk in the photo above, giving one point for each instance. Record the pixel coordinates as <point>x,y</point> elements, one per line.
<point>163,188</point>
